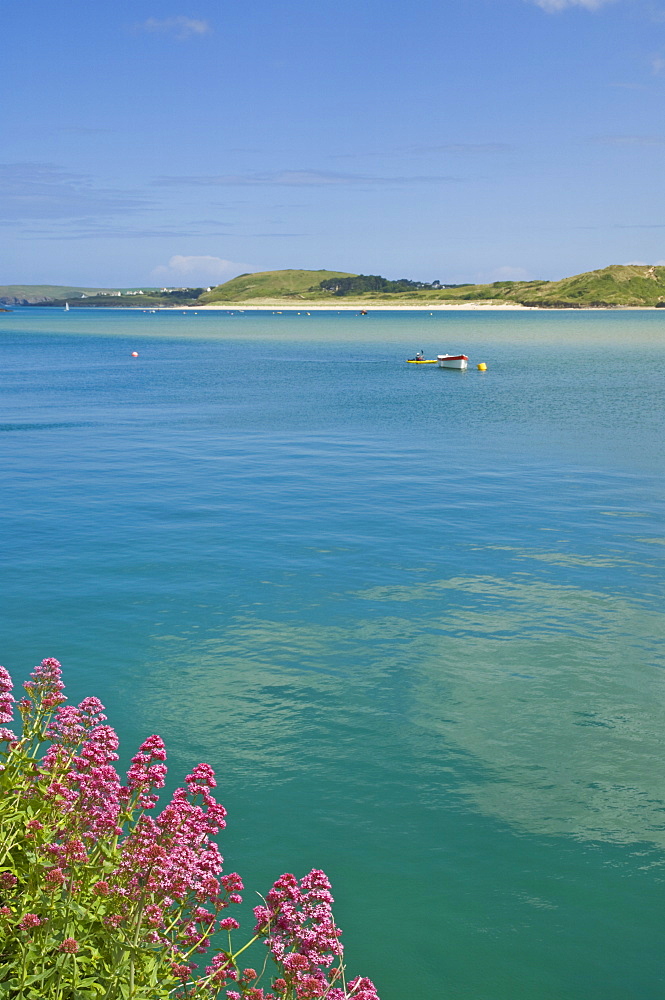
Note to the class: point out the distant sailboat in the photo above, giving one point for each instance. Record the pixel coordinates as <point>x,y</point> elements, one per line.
<point>66,307</point>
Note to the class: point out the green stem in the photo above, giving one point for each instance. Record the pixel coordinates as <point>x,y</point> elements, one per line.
<point>135,942</point>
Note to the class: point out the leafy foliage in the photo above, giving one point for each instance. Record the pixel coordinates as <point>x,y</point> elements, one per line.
<point>102,900</point>
<point>361,283</point>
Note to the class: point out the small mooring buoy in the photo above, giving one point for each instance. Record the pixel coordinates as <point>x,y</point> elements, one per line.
<point>482,367</point>
<point>135,354</point>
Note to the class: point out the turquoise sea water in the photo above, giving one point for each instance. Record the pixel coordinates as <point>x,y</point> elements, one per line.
<point>412,617</point>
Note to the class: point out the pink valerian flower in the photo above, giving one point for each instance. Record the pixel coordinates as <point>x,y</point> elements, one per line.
<point>220,969</point>
<point>359,988</point>
<point>229,924</point>
<point>53,879</point>
<point>90,786</point>
<point>148,771</point>
<point>46,685</point>
<point>300,931</point>
<point>154,915</point>
<point>8,880</point>
<point>173,856</point>
<point>72,725</point>
<point>70,946</point>
<point>56,790</point>
<point>233,882</point>
<point>29,920</point>
<point>300,918</point>
<point>181,971</point>
<point>6,735</point>
<point>233,885</point>
<point>193,936</point>
<point>202,776</point>
<point>69,852</point>
<point>7,699</point>
<point>66,726</point>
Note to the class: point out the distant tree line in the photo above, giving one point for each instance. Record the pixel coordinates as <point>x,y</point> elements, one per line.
<point>362,283</point>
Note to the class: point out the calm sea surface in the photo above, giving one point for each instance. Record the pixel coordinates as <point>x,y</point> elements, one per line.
<point>412,617</point>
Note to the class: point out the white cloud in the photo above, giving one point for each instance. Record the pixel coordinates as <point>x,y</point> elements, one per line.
<point>180,28</point>
<point>554,6</point>
<point>195,271</point>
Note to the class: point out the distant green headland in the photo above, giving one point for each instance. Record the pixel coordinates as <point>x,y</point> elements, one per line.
<point>616,286</point>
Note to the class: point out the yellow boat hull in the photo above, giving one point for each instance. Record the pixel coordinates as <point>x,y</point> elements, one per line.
<point>412,361</point>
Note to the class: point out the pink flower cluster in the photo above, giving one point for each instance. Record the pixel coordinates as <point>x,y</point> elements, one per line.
<point>78,766</point>
<point>6,697</point>
<point>173,855</point>
<point>167,881</point>
<point>300,931</point>
<point>148,771</point>
<point>46,686</point>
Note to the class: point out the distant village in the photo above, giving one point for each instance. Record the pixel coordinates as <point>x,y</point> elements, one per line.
<point>140,291</point>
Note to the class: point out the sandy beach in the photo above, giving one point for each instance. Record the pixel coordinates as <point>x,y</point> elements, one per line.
<point>281,306</point>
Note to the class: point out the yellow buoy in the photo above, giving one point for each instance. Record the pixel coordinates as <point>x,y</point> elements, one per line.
<point>482,367</point>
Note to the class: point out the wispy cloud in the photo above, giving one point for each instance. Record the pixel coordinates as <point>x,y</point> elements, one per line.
<point>293,178</point>
<point>180,28</point>
<point>44,191</point>
<point>93,229</point>
<point>630,140</point>
<point>193,270</point>
<point>555,6</point>
<point>465,148</point>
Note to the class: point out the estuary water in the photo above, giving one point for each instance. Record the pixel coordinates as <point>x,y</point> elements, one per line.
<point>412,617</point>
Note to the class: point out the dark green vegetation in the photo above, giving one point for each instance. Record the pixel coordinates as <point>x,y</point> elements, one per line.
<point>359,284</point>
<point>614,286</point>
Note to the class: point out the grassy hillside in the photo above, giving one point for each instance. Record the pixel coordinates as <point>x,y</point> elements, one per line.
<point>272,285</point>
<point>617,285</point>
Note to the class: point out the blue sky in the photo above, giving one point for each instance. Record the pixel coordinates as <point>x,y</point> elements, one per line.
<point>185,141</point>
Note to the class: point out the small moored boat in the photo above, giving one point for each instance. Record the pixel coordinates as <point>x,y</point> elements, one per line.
<point>459,361</point>
<point>420,361</point>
